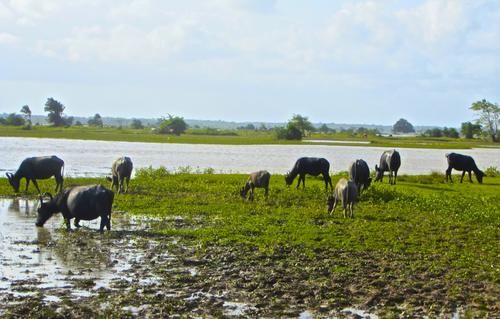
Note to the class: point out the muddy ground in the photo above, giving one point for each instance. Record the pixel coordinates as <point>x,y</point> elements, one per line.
<point>135,272</point>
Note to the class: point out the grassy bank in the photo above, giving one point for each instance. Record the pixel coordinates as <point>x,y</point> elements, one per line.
<point>211,136</point>
<point>422,246</point>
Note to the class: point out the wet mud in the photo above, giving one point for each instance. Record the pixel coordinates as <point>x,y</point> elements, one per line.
<point>134,271</point>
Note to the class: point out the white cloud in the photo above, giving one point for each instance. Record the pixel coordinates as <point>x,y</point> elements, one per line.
<point>7,39</point>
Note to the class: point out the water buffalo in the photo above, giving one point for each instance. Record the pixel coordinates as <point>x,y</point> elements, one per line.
<point>312,166</point>
<point>33,168</point>
<point>80,203</point>
<point>463,163</point>
<point>359,173</point>
<point>346,192</point>
<point>389,161</point>
<point>120,171</point>
<point>258,179</point>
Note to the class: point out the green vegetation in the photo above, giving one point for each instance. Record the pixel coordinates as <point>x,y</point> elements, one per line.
<point>237,137</point>
<point>420,236</point>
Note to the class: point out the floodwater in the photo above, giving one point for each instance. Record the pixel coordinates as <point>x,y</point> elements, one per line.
<point>94,158</point>
<point>38,258</point>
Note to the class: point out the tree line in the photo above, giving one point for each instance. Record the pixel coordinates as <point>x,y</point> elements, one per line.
<point>295,129</point>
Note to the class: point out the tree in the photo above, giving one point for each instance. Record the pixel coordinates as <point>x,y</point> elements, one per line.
<point>136,124</point>
<point>403,126</point>
<point>55,109</point>
<point>324,128</point>
<point>13,119</point>
<point>301,123</point>
<point>450,132</point>
<point>27,112</point>
<point>172,125</point>
<point>469,130</point>
<point>489,117</point>
<point>95,121</point>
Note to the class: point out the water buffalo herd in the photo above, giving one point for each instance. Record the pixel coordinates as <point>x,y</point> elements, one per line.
<point>90,202</point>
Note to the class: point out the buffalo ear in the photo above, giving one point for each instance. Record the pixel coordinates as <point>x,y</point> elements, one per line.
<point>376,167</point>
<point>9,175</point>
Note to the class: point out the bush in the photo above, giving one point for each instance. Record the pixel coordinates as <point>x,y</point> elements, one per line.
<point>492,171</point>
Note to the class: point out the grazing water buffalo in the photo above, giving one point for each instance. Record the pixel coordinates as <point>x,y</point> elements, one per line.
<point>346,192</point>
<point>258,179</point>
<point>33,168</point>
<point>312,166</point>
<point>80,203</point>
<point>121,170</point>
<point>463,163</point>
<point>359,173</point>
<point>389,161</point>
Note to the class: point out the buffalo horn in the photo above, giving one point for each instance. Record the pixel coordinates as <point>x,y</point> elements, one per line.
<point>9,175</point>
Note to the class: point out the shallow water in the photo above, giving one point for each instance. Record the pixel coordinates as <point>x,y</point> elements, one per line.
<point>34,258</point>
<point>94,158</point>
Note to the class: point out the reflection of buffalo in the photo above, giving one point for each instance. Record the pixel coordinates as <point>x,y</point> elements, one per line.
<point>463,163</point>
<point>33,168</point>
<point>258,179</point>
<point>389,161</point>
<point>120,171</point>
<point>312,166</point>
<point>79,202</point>
<point>346,192</point>
<point>359,173</point>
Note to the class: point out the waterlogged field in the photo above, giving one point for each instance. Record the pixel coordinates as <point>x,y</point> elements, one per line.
<point>420,248</point>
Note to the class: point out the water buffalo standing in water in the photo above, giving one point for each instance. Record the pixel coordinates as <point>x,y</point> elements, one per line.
<point>33,168</point>
<point>359,173</point>
<point>346,192</point>
<point>312,166</point>
<point>258,179</point>
<point>120,171</point>
<point>463,163</point>
<point>389,161</point>
<point>80,203</point>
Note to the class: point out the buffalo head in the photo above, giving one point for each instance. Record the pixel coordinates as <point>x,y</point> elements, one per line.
<point>329,203</point>
<point>14,182</point>
<point>379,173</point>
<point>45,210</point>
<point>288,179</point>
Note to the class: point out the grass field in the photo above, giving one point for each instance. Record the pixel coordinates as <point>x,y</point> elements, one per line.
<point>195,136</point>
<point>421,247</point>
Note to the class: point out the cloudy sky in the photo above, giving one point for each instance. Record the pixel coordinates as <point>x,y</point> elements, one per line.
<point>253,60</point>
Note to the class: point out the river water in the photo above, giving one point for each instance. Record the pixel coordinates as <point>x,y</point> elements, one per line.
<point>94,158</point>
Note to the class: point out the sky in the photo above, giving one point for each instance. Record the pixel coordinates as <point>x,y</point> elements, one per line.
<point>369,62</point>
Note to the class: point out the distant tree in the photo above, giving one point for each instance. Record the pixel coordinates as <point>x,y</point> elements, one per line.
<point>248,127</point>
<point>13,119</point>
<point>27,112</point>
<point>55,109</point>
<point>434,132</point>
<point>469,129</point>
<point>489,117</point>
<point>450,132</point>
<point>172,125</point>
<point>78,123</point>
<point>95,121</point>
<point>262,127</point>
<point>290,132</point>
<point>301,123</point>
<point>324,128</point>
<point>403,126</point>
<point>136,124</point>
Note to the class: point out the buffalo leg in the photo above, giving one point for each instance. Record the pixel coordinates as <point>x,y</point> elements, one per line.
<point>462,178</point>
<point>395,176</point>
<point>36,185</point>
<point>448,174</point>
<point>266,193</point>
<point>334,206</point>
<point>28,184</point>
<point>77,223</point>
<point>470,179</point>
<point>68,225</point>
<point>128,180</point>
<point>250,197</point>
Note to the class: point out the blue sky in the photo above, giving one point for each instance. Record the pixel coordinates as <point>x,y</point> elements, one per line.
<point>351,61</point>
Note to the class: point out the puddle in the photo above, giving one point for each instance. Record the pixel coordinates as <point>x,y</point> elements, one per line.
<point>75,264</point>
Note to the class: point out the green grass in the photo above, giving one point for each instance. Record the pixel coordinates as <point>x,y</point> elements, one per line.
<point>211,136</point>
<point>451,226</point>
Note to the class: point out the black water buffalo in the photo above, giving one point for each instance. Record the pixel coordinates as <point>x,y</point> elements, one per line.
<point>312,166</point>
<point>463,163</point>
<point>359,173</point>
<point>258,179</point>
<point>389,161</point>
<point>120,171</point>
<point>33,168</point>
<point>346,192</point>
<point>80,203</point>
